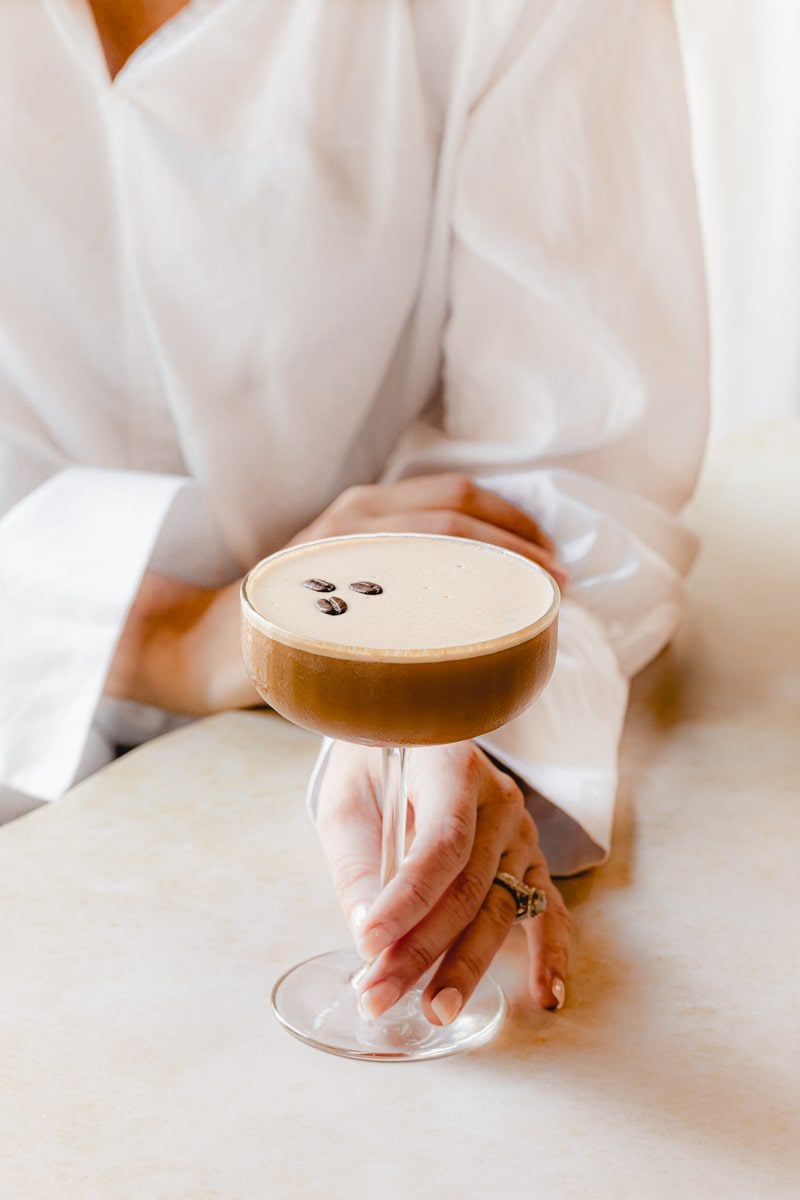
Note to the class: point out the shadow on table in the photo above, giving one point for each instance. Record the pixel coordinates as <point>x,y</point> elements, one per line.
<point>679,1081</point>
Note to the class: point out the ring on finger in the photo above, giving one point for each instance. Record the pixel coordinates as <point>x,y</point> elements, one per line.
<point>530,901</point>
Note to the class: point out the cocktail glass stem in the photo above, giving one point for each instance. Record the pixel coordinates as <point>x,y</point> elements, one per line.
<point>394,805</point>
<point>407,1013</point>
<point>394,810</point>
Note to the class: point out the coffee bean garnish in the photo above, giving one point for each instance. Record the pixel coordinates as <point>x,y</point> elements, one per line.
<point>367,589</point>
<point>332,605</point>
<point>319,585</point>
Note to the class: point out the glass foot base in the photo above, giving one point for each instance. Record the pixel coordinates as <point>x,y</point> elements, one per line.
<point>316,1001</point>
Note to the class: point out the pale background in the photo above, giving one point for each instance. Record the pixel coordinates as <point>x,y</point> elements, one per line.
<point>743,63</point>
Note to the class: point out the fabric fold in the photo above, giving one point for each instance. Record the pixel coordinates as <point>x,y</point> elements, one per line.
<point>574,376</point>
<point>72,554</point>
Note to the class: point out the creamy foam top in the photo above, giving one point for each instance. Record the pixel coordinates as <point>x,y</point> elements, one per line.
<point>438,594</point>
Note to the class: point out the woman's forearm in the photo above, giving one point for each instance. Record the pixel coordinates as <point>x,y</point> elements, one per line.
<point>179,649</point>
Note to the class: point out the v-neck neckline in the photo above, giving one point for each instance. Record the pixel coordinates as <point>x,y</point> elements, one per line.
<point>79,25</point>
<point>119,44</point>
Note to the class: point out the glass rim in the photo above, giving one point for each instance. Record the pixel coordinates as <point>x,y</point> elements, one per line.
<point>298,641</point>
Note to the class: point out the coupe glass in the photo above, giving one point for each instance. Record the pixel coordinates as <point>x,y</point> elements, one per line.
<point>394,699</point>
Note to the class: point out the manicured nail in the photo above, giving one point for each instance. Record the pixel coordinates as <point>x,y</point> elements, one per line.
<point>378,999</point>
<point>370,946</point>
<point>559,992</point>
<point>447,1004</point>
<point>358,919</point>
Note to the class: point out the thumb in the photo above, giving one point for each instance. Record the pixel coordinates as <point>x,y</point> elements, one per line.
<point>349,827</point>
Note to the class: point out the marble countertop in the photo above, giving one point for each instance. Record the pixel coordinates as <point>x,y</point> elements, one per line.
<point>144,918</point>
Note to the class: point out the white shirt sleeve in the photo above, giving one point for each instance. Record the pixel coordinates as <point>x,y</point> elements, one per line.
<point>575,367</point>
<point>72,554</point>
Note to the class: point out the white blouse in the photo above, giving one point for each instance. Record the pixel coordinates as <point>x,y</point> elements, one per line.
<point>299,244</point>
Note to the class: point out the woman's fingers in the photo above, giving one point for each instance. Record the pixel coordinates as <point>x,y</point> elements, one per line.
<point>456,524</point>
<point>548,941</point>
<point>402,963</point>
<point>349,827</point>
<point>445,784</point>
<point>471,955</point>
<point>448,504</point>
<point>469,958</point>
<point>454,493</point>
<point>484,925</point>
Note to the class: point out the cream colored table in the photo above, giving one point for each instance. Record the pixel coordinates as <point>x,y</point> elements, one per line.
<point>144,918</point>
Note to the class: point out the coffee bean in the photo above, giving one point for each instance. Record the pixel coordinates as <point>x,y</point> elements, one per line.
<point>367,589</point>
<point>319,585</point>
<point>332,605</point>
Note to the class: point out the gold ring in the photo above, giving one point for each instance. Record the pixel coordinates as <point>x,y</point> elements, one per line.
<point>530,901</point>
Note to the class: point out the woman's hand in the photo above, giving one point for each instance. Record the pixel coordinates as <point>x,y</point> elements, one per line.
<point>179,649</point>
<point>453,505</point>
<point>469,822</point>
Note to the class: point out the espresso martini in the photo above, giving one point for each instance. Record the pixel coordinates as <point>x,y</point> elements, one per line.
<point>394,640</point>
<point>399,639</point>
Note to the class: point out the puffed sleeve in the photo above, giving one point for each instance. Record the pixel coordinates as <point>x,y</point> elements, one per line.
<point>575,366</point>
<point>74,543</point>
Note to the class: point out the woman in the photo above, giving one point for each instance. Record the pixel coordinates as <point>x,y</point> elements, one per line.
<point>279,269</point>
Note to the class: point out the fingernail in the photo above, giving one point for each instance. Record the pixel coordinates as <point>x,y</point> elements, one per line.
<point>358,919</point>
<point>370,946</point>
<point>378,999</point>
<point>559,992</point>
<point>447,1004</point>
